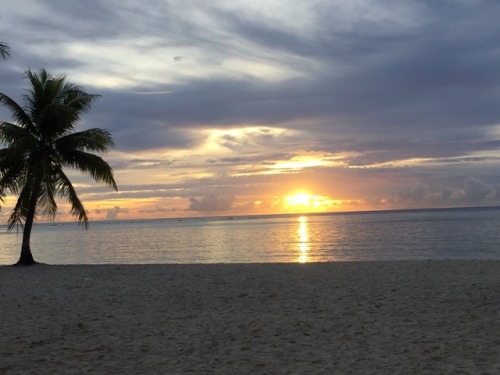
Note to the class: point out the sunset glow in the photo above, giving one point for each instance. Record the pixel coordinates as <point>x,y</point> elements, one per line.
<point>235,108</point>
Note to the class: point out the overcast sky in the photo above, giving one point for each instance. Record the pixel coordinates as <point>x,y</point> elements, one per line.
<point>229,107</point>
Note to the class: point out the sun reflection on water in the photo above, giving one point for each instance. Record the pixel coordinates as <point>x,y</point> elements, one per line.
<point>303,240</point>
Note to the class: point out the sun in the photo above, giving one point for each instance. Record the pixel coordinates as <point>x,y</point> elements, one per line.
<point>303,201</point>
<point>299,199</point>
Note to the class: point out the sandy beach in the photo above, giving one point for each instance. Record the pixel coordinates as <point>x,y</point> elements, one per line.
<point>409,317</point>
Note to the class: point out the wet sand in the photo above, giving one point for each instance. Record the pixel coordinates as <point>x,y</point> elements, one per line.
<point>410,317</point>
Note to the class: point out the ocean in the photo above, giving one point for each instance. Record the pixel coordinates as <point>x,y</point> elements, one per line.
<point>465,233</point>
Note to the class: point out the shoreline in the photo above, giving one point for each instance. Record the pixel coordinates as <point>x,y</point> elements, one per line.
<point>412,317</point>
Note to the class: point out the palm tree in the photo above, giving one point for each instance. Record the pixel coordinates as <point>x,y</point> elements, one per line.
<point>4,50</point>
<point>40,144</point>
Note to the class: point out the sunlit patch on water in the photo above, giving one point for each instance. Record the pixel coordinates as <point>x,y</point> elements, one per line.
<point>303,240</point>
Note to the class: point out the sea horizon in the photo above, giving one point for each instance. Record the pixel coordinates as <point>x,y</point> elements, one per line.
<point>411,234</point>
<point>270,215</point>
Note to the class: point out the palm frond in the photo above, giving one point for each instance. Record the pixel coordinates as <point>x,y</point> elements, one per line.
<point>66,189</point>
<point>44,90</point>
<point>13,135</point>
<point>78,99</point>
<point>47,202</point>
<point>56,119</point>
<point>18,213</point>
<point>95,139</point>
<point>4,50</point>
<point>91,164</point>
<point>12,174</point>
<point>13,167</point>
<point>17,111</point>
<point>35,98</point>
<point>11,156</point>
<point>55,104</point>
<point>15,219</point>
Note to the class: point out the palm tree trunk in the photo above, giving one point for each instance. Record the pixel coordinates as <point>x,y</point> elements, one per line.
<point>26,258</point>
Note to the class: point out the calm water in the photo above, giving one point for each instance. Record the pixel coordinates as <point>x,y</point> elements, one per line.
<point>437,234</point>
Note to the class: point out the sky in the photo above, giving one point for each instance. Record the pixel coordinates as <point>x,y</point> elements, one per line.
<point>271,107</point>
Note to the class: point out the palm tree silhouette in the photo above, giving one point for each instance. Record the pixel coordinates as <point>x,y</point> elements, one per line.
<point>40,144</point>
<point>4,50</point>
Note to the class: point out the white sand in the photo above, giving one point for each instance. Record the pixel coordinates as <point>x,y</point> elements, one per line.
<point>429,317</point>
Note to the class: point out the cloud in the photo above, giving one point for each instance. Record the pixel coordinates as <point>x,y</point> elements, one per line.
<point>415,194</point>
<point>111,213</point>
<point>478,191</point>
<point>211,203</point>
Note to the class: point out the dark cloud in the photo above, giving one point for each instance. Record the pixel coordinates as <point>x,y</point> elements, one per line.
<point>160,210</point>
<point>415,194</point>
<point>439,75</point>
<point>211,203</point>
<point>477,190</point>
